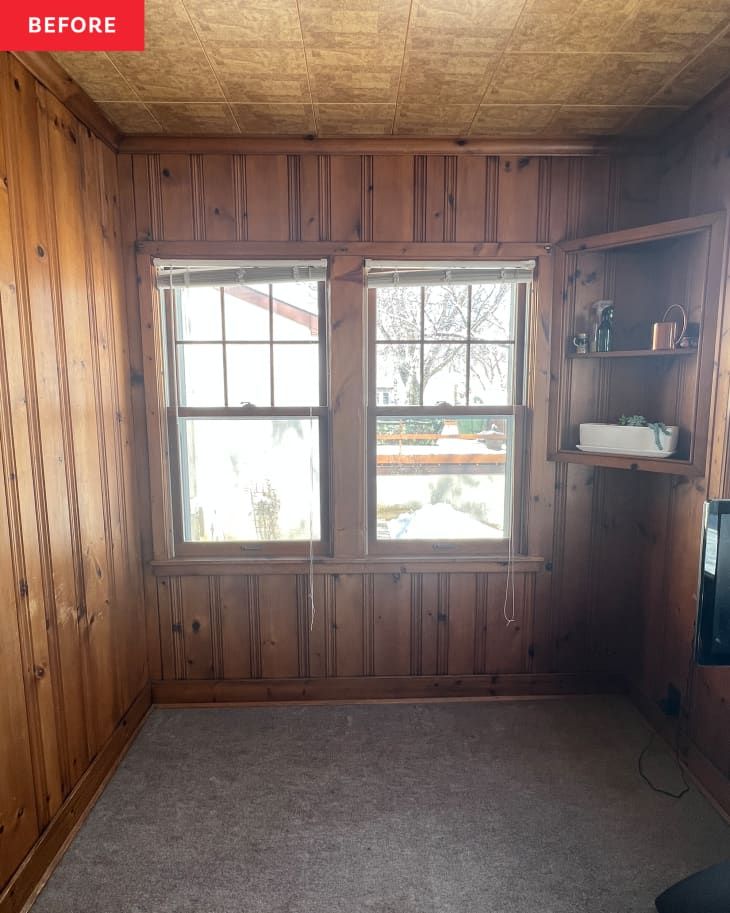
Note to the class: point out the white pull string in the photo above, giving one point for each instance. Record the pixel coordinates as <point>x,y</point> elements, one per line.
<point>311,520</point>
<point>510,586</point>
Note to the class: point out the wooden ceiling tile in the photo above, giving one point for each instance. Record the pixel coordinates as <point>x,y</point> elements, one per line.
<point>268,120</point>
<point>434,119</point>
<point>441,77</point>
<point>356,24</point>
<point>261,24</point>
<point>168,75</point>
<point>192,117</point>
<point>589,120</point>
<point>700,76</point>
<point>98,76</point>
<point>353,75</point>
<point>354,48</point>
<point>259,75</point>
<point>625,79</point>
<point>512,120</point>
<point>131,116</point>
<point>679,26</point>
<point>582,26</point>
<point>355,119</point>
<point>545,79</point>
<point>167,26</point>
<point>490,22</point>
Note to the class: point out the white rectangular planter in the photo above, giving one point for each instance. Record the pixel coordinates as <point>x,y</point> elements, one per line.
<point>627,440</point>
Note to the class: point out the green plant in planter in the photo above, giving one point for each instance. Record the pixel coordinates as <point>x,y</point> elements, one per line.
<point>641,422</point>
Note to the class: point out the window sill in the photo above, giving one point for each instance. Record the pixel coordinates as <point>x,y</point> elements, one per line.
<point>431,564</point>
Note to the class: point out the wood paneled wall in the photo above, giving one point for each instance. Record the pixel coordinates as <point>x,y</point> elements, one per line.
<point>692,177</point>
<point>371,623</point>
<point>72,648</point>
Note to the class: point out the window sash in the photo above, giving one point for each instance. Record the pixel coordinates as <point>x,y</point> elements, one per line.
<point>175,412</point>
<point>294,548</point>
<point>513,472</point>
<point>514,481</point>
<point>516,340</point>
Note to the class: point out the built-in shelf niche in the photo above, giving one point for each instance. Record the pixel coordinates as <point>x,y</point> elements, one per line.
<point>643,271</point>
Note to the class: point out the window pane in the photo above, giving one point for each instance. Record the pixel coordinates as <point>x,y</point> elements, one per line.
<point>198,312</point>
<point>398,312</point>
<point>247,312</point>
<point>296,310</point>
<point>492,311</point>
<point>296,375</point>
<point>398,374</point>
<point>249,375</point>
<point>444,374</point>
<point>250,479</point>
<point>490,383</point>
<point>443,477</point>
<point>200,374</point>
<point>445,311</point>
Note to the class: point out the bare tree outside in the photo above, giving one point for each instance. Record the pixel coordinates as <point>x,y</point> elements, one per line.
<point>445,317</point>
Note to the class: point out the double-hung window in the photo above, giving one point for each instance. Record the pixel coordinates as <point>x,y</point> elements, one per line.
<point>246,406</point>
<point>446,394</point>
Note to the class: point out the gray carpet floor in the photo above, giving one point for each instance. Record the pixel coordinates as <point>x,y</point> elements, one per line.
<point>509,807</point>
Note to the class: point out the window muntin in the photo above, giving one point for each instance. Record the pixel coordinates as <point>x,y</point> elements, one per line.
<point>446,388</point>
<point>256,345</point>
<point>247,417</point>
<point>447,344</point>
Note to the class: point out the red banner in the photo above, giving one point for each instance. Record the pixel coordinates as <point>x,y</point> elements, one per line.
<point>72,25</point>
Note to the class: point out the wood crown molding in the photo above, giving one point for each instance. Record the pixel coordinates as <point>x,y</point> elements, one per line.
<point>369,145</point>
<point>53,77</point>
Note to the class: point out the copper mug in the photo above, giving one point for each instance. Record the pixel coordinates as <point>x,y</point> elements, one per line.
<point>664,334</point>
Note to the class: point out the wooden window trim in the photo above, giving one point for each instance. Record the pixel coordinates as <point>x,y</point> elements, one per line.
<point>346,340</point>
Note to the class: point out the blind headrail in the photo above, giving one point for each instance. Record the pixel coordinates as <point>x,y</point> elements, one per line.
<point>200,273</point>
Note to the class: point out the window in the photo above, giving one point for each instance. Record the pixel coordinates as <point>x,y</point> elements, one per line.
<point>246,402</point>
<point>446,380</point>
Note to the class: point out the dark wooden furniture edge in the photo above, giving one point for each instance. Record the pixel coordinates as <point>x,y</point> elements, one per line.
<point>34,871</point>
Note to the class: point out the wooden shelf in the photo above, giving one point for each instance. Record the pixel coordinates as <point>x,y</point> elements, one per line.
<point>647,464</point>
<point>641,269</point>
<point>635,353</point>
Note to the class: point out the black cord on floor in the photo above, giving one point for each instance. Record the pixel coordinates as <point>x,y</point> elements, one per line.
<point>685,701</point>
<point>659,789</point>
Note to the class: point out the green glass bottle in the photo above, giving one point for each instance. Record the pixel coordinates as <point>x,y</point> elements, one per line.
<point>604,332</point>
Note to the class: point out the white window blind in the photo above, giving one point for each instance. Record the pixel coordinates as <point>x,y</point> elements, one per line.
<point>219,274</point>
<point>384,273</point>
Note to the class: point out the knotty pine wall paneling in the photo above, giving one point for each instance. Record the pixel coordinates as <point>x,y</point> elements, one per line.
<point>72,648</point>
<point>691,177</point>
<point>371,623</point>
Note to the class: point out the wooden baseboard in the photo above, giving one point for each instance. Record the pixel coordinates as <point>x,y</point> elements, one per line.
<point>417,687</point>
<point>709,779</point>
<point>27,882</point>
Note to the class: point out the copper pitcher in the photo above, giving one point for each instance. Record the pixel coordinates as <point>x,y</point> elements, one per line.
<point>664,334</point>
